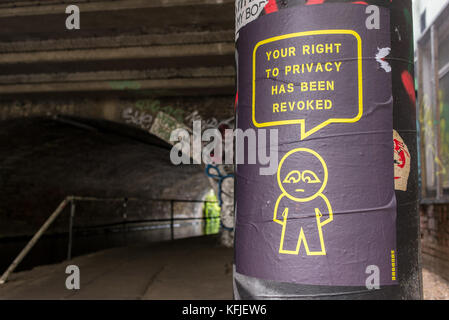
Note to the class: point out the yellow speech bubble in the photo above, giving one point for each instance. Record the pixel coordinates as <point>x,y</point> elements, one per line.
<point>305,133</point>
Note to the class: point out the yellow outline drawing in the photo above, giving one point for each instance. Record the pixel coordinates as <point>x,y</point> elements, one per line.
<point>320,224</point>
<point>304,133</point>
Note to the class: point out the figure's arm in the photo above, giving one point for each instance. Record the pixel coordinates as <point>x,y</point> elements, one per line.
<point>330,217</point>
<point>279,214</point>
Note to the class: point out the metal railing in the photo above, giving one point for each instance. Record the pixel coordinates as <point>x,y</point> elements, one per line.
<point>71,200</point>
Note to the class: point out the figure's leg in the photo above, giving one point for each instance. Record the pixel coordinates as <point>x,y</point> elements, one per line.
<point>313,237</point>
<point>291,236</point>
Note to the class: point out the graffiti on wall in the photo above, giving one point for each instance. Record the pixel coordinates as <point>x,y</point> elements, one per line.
<point>434,165</point>
<point>138,118</point>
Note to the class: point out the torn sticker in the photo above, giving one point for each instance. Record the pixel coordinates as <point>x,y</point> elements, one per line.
<point>402,160</point>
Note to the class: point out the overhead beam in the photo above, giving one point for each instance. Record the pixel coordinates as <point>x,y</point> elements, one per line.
<point>120,76</point>
<point>141,52</point>
<point>33,8</point>
<point>193,86</point>
<point>119,41</point>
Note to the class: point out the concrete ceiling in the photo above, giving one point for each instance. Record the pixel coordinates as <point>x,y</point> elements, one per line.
<point>170,47</point>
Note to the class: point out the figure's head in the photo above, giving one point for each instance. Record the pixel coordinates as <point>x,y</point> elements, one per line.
<point>302,175</point>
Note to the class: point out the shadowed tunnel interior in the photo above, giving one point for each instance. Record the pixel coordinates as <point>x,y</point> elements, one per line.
<point>43,160</point>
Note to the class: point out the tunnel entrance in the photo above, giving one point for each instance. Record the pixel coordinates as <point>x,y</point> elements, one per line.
<point>127,191</point>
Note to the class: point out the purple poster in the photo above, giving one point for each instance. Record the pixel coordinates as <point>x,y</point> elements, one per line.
<point>318,75</point>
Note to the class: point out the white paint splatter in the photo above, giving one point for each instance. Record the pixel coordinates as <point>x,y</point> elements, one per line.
<point>380,57</point>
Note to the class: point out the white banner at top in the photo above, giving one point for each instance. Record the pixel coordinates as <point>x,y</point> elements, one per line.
<point>247,11</point>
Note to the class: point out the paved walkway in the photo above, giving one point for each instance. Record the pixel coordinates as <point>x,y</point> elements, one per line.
<point>435,287</point>
<point>194,268</point>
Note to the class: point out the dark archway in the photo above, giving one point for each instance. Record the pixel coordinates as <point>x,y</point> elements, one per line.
<point>43,160</point>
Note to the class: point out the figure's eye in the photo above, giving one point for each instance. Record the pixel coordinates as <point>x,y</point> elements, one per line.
<point>310,177</point>
<point>293,177</point>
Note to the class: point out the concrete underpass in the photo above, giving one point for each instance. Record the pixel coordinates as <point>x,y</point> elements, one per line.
<point>89,115</point>
<point>85,121</point>
<point>126,186</point>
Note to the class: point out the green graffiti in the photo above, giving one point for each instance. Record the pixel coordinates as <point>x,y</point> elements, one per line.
<point>428,125</point>
<point>163,125</point>
<point>211,211</point>
<point>123,85</point>
<point>444,136</point>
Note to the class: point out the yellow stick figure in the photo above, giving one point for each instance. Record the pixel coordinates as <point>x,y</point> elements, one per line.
<point>301,208</point>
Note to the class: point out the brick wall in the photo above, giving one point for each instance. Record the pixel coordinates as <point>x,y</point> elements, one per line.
<point>435,238</point>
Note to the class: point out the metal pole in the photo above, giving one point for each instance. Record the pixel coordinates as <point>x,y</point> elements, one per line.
<point>335,218</point>
<point>33,241</point>
<point>72,215</point>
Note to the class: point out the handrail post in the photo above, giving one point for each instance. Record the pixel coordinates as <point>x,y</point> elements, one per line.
<point>125,221</point>
<point>72,215</point>
<point>172,227</point>
<point>33,240</point>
